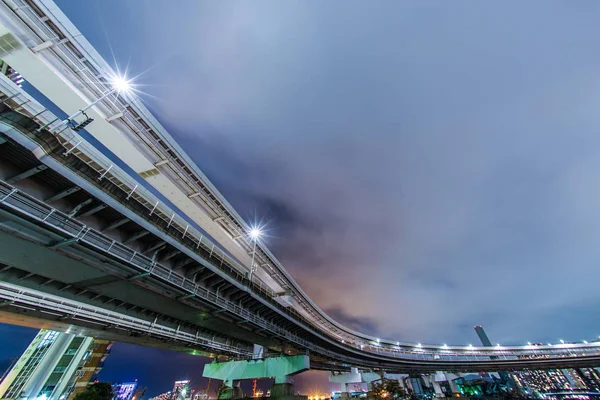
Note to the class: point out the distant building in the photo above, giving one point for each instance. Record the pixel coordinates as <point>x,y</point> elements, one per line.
<point>483,337</point>
<point>98,351</point>
<point>124,391</point>
<point>542,381</point>
<point>55,366</point>
<point>181,390</point>
<point>485,341</point>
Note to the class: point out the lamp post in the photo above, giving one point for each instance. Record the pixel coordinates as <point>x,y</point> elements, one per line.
<point>255,234</point>
<point>119,85</point>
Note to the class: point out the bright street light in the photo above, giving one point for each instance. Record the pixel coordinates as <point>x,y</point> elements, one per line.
<point>119,84</point>
<point>255,234</point>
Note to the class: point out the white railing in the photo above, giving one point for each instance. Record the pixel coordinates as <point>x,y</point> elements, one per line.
<point>83,69</point>
<point>22,296</point>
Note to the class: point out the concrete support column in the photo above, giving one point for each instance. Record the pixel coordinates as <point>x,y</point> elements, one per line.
<point>435,379</point>
<point>344,379</point>
<point>232,390</point>
<point>282,388</point>
<point>280,368</point>
<point>450,377</point>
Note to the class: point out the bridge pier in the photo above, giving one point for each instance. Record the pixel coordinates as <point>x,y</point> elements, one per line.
<point>344,379</point>
<point>280,368</point>
<point>434,382</point>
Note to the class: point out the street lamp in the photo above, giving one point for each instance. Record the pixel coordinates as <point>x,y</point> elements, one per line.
<point>255,234</point>
<point>119,84</point>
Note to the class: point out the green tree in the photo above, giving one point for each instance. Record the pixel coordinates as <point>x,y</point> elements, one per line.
<point>387,389</point>
<point>98,391</point>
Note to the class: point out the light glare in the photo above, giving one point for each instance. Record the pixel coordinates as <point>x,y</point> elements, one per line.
<point>121,84</point>
<point>255,233</point>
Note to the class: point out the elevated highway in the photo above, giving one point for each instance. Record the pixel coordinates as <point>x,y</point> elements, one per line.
<point>86,244</point>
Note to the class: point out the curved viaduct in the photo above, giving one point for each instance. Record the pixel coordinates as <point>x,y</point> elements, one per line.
<point>141,247</point>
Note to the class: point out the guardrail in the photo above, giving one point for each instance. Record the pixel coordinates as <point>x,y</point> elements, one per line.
<point>21,203</point>
<point>25,297</point>
<point>76,55</point>
<point>89,70</point>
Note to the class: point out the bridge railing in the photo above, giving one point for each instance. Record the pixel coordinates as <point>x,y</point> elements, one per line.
<point>75,145</point>
<point>89,69</point>
<point>39,300</point>
<point>72,229</point>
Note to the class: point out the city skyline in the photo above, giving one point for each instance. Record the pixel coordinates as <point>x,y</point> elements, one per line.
<point>128,363</point>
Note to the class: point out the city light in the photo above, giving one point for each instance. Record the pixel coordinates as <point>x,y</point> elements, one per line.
<point>255,233</point>
<point>121,84</point>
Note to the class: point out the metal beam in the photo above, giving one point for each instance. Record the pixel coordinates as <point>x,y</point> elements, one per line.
<point>63,194</point>
<point>237,296</point>
<point>136,236</point>
<point>138,276</point>
<point>114,116</point>
<point>195,271</point>
<point>116,224</point>
<point>79,206</point>
<point>184,262</point>
<point>210,282</point>
<point>186,296</point>
<point>93,210</point>
<point>27,174</point>
<point>62,243</point>
<point>156,246</point>
<point>171,255</point>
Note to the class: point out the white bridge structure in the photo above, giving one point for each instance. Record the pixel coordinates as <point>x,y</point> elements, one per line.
<point>145,249</point>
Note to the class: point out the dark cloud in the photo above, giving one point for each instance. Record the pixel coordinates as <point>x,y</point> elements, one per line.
<point>364,325</point>
<point>427,166</point>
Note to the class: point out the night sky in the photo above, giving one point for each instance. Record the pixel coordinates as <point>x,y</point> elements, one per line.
<point>423,166</point>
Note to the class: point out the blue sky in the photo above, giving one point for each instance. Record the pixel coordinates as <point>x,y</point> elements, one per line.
<point>425,166</point>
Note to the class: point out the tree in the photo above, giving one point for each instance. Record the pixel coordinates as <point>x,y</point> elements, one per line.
<point>387,389</point>
<point>98,391</point>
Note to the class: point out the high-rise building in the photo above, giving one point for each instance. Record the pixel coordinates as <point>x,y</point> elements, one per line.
<point>542,381</point>
<point>181,389</point>
<point>98,351</point>
<point>53,367</point>
<point>124,391</point>
<point>483,337</point>
<point>485,341</point>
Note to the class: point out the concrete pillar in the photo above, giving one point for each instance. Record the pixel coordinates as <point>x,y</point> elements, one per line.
<point>283,388</point>
<point>232,390</point>
<point>280,368</point>
<point>450,377</point>
<point>344,379</point>
<point>435,380</point>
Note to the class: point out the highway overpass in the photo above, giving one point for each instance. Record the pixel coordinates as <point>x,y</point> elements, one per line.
<point>157,256</point>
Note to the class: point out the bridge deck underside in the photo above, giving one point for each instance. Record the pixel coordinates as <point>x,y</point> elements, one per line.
<point>44,259</point>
